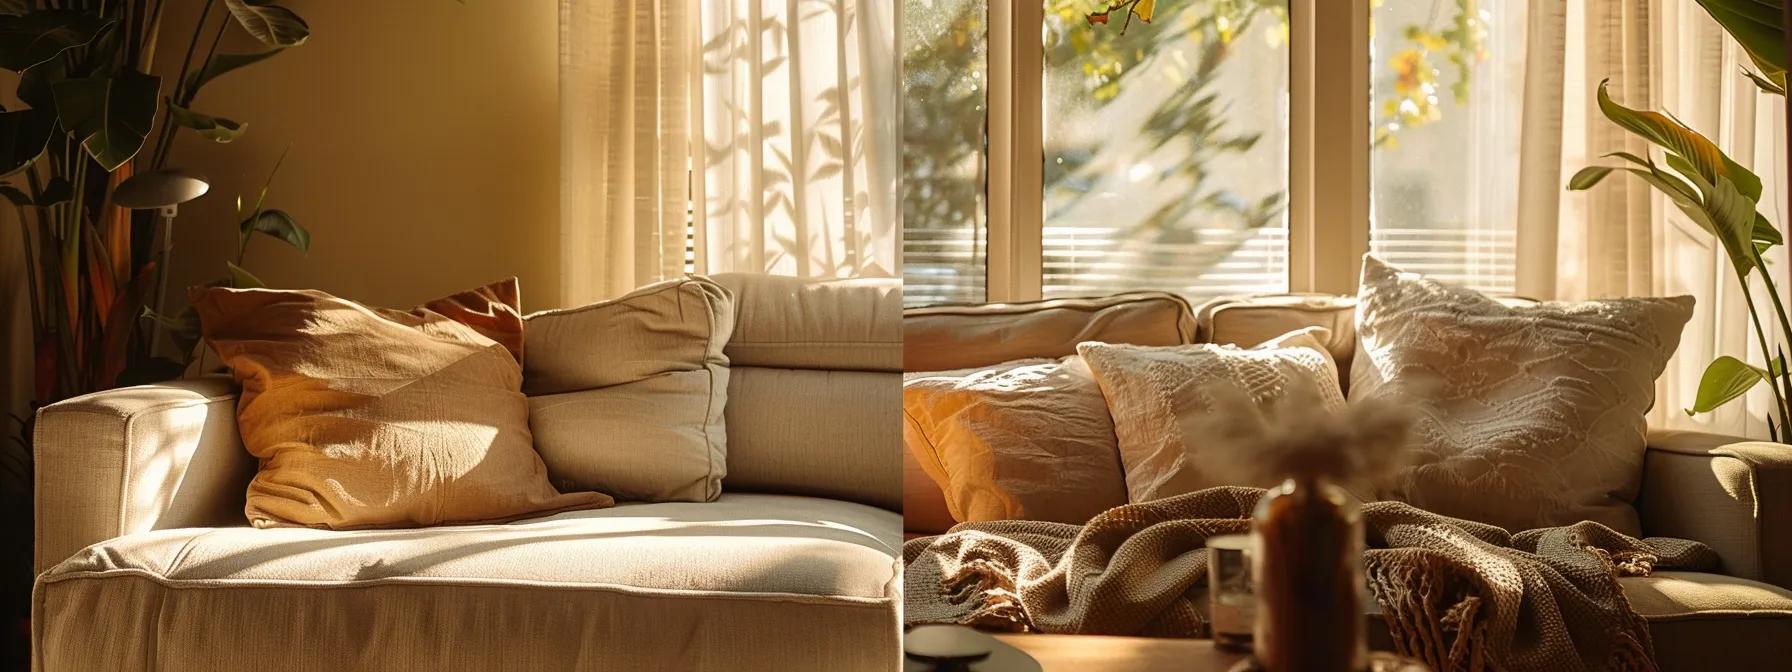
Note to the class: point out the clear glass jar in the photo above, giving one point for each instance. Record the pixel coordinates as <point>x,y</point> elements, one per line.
<point>1307,558</point>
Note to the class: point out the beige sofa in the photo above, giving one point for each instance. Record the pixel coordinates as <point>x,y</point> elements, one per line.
<point>1732,494</point>
<point>146,562</point>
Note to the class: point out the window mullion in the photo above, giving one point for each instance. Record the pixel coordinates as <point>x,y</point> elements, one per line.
<point>1329,145</point>
<point>1016,155</point>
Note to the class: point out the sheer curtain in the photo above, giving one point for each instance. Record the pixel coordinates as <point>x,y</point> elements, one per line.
<point>625,72</point>
<point>727,135</point>
<point>801,137</point>
<point>1622,238</point>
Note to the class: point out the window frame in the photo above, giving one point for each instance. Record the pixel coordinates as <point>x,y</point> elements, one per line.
<point>1328,177</point>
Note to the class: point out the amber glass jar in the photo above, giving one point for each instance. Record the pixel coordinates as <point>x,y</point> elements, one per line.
<point>1308,565</point>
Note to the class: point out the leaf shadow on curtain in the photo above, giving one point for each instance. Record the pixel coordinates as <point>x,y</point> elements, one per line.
<point>799,138</point>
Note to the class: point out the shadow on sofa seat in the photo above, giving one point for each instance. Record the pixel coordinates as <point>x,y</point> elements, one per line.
<point>750,581</point>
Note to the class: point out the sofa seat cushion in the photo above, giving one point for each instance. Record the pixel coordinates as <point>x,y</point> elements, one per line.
<point>1713,622</point>
<point>747,582</point>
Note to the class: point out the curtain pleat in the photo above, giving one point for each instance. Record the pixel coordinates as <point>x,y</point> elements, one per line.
<point>625,144</point>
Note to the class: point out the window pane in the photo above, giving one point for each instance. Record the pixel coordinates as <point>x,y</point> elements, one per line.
<point>945,108</point>
<point>1447,89</point>
<point>1166,149</point>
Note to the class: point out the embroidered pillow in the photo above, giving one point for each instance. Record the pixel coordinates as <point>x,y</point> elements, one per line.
<point>1527,416</point>
<point>1157,394</point>
<point>369,417</point>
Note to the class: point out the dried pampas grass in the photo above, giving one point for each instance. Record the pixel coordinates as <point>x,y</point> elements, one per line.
<point>1254,441</point>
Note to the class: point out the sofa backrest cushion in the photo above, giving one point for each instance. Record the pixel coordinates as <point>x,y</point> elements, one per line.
<point>815,390</point>
<point>626,396</point>
<point>796,323</point>
<point>944,338</point>
<point>1247,321</point>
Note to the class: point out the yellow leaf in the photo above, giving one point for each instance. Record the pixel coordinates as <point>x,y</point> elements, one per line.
<point>1144,9</point>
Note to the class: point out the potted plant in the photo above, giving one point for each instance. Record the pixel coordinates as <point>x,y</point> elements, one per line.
<point>1723,198</point>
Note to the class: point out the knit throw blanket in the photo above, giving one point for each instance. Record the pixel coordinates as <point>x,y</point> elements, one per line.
<point>1455,594</point>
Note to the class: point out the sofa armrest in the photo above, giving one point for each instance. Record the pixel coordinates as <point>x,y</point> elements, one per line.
<point>1733,494</point>
<point>134,459</point>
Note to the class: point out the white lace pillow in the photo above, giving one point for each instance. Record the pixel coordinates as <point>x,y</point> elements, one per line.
<point>1527,416</point>
<point>1156,393</point>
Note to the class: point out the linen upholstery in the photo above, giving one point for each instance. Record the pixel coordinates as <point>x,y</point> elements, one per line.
<point>814,432</point>
<point>749,582</point>
<point>136,459</point>
<point>627,396</point>
<point>1526,417</point>
<point>1158,396</point>
<point>1247,321</point>
<point>1703,621</point>
<point>945,338</point>
<point>1025,440</point>
<point>814,387</point>
<point>799,323</point>
<point>924,508</point>
<point>1734,495</point>
<point>372,417</point>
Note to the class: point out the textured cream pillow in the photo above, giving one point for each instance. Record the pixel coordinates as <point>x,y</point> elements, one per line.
<point>1023,440</point>
<point>626,395</point>
<point>1527,416</point>
<point>1156,393</point>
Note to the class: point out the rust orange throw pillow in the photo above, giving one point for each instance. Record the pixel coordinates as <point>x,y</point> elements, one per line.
<point>369,417</point>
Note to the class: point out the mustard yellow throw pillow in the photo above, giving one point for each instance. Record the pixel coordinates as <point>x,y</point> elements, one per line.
<point>370,417</point>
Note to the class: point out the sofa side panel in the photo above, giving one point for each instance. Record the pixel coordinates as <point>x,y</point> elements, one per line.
<point>134,459</point>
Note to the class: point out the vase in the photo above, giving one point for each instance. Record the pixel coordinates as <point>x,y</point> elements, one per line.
<point>1307,559</point>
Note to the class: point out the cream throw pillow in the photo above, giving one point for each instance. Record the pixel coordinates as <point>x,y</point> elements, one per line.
<point>1023,440</point>
<point>1157,395</point>
<point>1527,416</point>
<point>626,395</point>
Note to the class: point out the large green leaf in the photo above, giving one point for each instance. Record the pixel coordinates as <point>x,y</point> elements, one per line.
<point>1725,379</point>
<point>279,224</point>
<point>23,136</point>
<point>216,129</point>
<point>111,116</point>
<point>1731,218</point>
<point>42,35</point>
<point>1696,152</point>
<point>1756,26</point>
<point>1588,176</point>
<point>37,84</point>
<point>242,279</point>
<point>223,63</point>
<point>270,23</point>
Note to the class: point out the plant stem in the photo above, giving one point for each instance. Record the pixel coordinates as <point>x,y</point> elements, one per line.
<point>1779,310</point>
<point>1779,400</point>
<point>166,137</point>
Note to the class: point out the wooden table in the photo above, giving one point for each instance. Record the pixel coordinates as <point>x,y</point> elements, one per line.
<point>1096,653</point>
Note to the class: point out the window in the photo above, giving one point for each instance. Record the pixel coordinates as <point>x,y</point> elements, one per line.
<point>1448,81</point>
<point>1166,150</point>
<point>1225,147</point>
<point>945,115</point>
